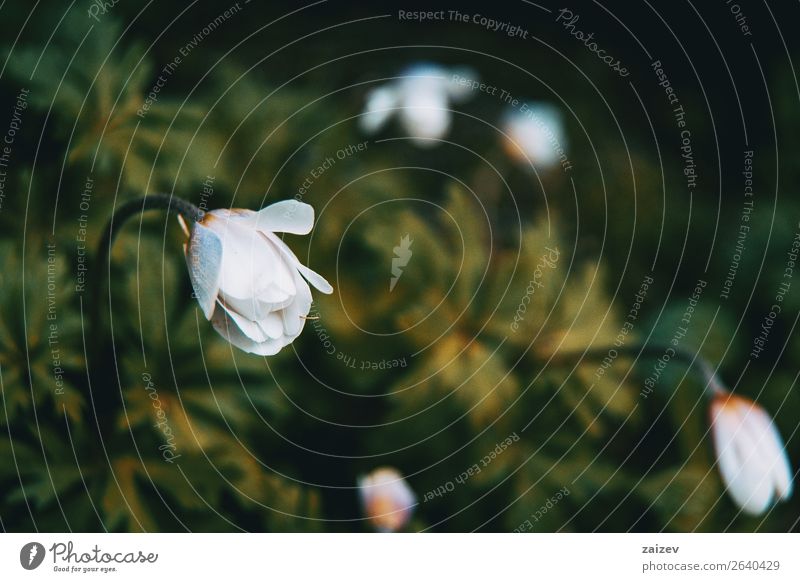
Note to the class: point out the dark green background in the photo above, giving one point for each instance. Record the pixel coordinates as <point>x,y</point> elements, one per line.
<point>265,444</point>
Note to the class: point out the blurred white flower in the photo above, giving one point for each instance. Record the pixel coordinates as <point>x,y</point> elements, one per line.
<point>380,106</point>
<point>387,499</point>
<point>535,134</point>
<point>751,456</point>
<point>421,99</point>
<point>247,281</point>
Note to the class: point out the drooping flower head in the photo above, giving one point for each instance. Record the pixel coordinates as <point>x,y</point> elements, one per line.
<point>750,453</point>
<point>387,499</point>
<point>421,98</point>
<point>248,283</point>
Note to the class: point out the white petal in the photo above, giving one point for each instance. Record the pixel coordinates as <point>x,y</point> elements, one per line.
<point>781,470</point>
<point>752,487</point>
<point>293,317</point>
<point>254,308</point>
<point>228,329</point>
<point>282,281</point>
<point>251,265</point>
<point>426,116</point>
<point>285,216</point>
<point>535,134</point>
<point>248,327</point>
<point>773,452</point>
<point>782,474</point>
<point>424,78</point>
<point>746,474</point>
<point>272,325</point>
<point>204,259</point>
<point>380,105</point>
<point>221,216</point>
<point>317,280</point>
<point>723,432</point>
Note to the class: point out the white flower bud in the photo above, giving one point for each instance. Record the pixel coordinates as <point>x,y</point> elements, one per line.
<point>751,455</point>
<point>247,281</point>
<point>534,134</point>
<point>387,499</point>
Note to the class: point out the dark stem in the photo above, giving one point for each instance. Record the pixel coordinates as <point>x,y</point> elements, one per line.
<point>101,351</point>
<point>137,206</point>
<point>694,360</point>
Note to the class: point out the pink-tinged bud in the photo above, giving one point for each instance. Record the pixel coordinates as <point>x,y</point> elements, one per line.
<point>387,499</point>
<point>750,453</point>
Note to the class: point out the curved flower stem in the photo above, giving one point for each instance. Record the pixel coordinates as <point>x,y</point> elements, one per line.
<point>123,213</point>
<point>713,386</point>
<point>139,205</point>
<point>102,394</point>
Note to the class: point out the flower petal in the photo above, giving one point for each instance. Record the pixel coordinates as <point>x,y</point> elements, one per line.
<point>254,308</point>
<point>723,432</point>
<point>535,135</point>
<point>736,442</point>
<point>285,216</point>
<point>426,116</point>
<point>251,265</point>
<point>248,327</point>
<point>773,451</point>
<point>781,470</point>
<point>380,106</point>
<point>317,280</point>
<point>294,315</point>
<point>272,325</point>
<point>204,259</point>
<point>224,215</point>
<point>228,329</point>
<point>754,480</point>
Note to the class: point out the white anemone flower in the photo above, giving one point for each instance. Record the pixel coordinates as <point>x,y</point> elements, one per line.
<point>421,99</point>
<point>387,499</point>
<point>535,134</point>
<point>247,281</point>
<point>750,452</point>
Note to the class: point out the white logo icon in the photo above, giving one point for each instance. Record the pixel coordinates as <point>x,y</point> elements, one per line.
<point>402,254</point>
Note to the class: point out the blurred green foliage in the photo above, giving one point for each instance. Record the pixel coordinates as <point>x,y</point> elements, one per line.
<point>276,444</point>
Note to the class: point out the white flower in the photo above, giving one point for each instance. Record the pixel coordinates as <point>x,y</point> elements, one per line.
<point>387,499</point>
<point>750,453</point>
<point>535,134</point>
<point>421,98</point>
<point>247,281</point>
